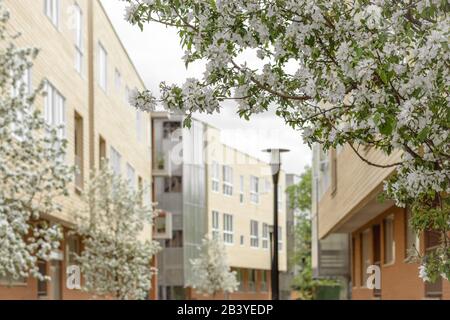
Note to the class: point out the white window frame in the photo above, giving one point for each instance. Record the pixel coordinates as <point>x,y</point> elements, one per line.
<point>254,190</point>
<point>79,47</point>
<point>254,234</point>
<point>102,67</point>
<point>228,228</point>
<point>52,11</point>
<point>265,236</point>
<point>215,223</point>
<point>25,82</point>
<point>227,172</point>
<point>55,109</point>
<point>115,159</point>
<point>215,176</point>
<point>131,176</point>
<point>389,236</point>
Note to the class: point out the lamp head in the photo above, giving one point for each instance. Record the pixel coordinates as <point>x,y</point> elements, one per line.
<point>275,159</point>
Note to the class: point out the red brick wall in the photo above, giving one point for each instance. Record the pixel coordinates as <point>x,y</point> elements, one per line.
<point>399,280</point>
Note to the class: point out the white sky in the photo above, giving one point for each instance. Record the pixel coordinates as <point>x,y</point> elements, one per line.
<point>157,54</point>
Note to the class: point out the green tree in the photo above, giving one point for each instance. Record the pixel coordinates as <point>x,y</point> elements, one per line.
<point>300,199</point>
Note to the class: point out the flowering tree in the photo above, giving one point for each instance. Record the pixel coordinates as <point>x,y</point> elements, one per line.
<point>115,260</point>
<point>32,170</point>
<point>211,272</point>
<point>371,73</point>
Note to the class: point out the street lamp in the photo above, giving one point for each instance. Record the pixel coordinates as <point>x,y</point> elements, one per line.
<point>275,166</point>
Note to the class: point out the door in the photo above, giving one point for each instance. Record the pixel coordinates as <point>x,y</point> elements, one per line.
<point>376,231</point>
<point>56,281</point>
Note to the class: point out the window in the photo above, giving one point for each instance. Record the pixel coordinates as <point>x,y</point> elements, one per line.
<point>118,79</point>
<point>333,171</point>
<point>412,240</point>
<point>263,281</point>
<point>131,176</point>
<point>376,252</point>
<point>173,184</point>
<point>432,241</point>
<point>103,67</point>
<point>176,241</point>
<point>79,48</point>
<point>242,241</point>
<point>254,234</point>
<point>227,180</point>
<point>8,280</point>
<point>354,284</point>
<point>265,236</point>
<point>79,152</point>
<point>55,111</point>
<point>73,248</point>
<point>42,284</point>
<point>116,159</point>
<point>22,84</point>
<point>254,189</point>
<point>51,9</point>
<point>240,279</point>
<point>215,176</point>
<point>241,189</point>
<point>365,258</point>
<point>101,150</point>
<point>228,228</point>
<point>389,243</point>
<point>252,280</point>
<point>280,239</point>
<point>215,224</point>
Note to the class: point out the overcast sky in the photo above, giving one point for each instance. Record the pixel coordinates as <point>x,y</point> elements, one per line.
<point>157,55</point>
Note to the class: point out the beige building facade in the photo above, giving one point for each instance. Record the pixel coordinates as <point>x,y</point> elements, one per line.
<point>211,190</point>
<point>88,76</point>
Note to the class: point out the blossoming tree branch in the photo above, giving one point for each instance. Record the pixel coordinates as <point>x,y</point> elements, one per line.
<point>358,73</point>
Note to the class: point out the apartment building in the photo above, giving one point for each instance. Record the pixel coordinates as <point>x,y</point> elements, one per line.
<point>351,222</point>
<point>212,189</point>
<point>88,75</point>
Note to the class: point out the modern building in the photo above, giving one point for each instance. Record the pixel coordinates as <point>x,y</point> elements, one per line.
<point>87,75</point>
<point>352,222</point>
<point>212,189</point>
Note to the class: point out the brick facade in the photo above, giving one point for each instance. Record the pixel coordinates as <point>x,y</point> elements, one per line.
<point>399,279</point>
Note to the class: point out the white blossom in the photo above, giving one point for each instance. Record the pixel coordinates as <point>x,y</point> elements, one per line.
<point>211,272</point>
<point>112,224</point>
<point>33,174</point>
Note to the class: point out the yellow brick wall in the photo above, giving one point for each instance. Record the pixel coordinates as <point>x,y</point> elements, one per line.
<point>114,119</point>
<point>243,256</point>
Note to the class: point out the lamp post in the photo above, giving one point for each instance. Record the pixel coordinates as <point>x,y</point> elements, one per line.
<point>275,166</point>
